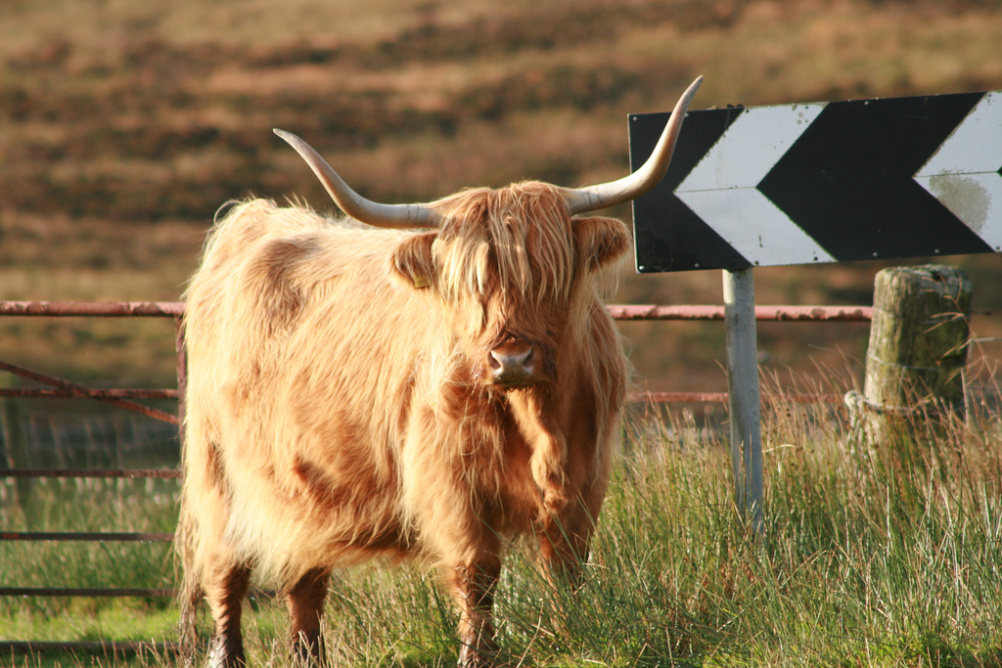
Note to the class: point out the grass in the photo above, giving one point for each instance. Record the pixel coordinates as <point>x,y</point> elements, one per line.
<point>86,505</point>
<point>871,556</point>
<point>125,124</point>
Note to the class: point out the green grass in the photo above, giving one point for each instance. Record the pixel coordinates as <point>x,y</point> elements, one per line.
<point>86,505</point>
<point>125,125</point>
<point>871,556</point>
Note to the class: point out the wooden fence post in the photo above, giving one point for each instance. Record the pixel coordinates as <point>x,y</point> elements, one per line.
<point>917,351</point>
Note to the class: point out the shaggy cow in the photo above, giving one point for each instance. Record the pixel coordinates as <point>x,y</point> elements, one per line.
<point>355,392</point>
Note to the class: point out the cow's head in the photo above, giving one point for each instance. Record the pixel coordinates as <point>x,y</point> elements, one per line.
<point>507,262</point>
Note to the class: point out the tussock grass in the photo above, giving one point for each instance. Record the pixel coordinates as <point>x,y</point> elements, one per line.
<point>871,556</point>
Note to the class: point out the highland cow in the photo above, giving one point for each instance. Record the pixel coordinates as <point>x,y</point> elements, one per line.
<point>427,391</point>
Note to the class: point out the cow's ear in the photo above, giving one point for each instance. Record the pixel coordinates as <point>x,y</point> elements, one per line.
<point>413,262</point>
<point>600,241</point>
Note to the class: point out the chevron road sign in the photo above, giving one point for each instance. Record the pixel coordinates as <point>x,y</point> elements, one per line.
<point>825,182</point>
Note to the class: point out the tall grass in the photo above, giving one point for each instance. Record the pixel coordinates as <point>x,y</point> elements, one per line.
<point>871,556</point>
<point>87,505</point>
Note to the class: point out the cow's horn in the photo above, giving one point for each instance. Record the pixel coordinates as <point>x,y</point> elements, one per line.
<point>649,175</point>
<point>353,204</point>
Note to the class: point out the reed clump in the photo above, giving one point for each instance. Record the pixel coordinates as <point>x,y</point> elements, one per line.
<point>870,557</point>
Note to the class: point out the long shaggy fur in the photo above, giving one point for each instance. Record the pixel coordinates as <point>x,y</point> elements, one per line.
<point>337,404</point>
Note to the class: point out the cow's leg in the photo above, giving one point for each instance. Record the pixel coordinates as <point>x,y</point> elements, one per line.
<point>564,540</point>
<point>563,546</point>
<point>190,596</point>
<point>443,493</point>
<point>563,550</point>
<point>472,586</point>
<point>225,587</point>
<point>306,608</point>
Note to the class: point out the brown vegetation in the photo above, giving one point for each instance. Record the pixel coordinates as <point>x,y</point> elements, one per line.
<point>124,125</point>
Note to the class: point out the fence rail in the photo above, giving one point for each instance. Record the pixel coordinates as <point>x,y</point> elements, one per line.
<point>95,536</point>
<point>91,592</point>
<point>764,313</point>
<point>82,393</point>
<point>91,646</point>
<point>60,388</point>
<point>90,473</point>
<point>618,311</point>
<point>94,309</point>
<point>79,390</point>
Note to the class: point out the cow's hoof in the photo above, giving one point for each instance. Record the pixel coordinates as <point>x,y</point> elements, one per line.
<point>223,654</point>
<point>478,657</point>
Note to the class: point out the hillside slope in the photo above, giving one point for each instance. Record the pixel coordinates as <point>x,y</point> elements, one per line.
<point>124,125</point>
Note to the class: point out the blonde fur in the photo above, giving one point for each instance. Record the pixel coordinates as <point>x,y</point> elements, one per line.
<point>338,406</point>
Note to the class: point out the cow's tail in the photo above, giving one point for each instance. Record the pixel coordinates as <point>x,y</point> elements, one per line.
<point>189,592</point>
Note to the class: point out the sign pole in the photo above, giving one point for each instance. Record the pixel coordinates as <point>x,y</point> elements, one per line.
<point>743,392</point>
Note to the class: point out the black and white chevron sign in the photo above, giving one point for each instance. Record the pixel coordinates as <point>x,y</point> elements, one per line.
<point>826,182</point>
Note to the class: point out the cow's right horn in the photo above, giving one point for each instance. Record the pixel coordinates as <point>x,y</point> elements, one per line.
<point>604,195</point>
<point>353,204</point>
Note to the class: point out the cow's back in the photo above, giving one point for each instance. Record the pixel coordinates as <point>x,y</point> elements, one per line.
<point>291,421</point>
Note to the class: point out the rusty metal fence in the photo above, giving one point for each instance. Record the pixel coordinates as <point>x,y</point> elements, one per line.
<point>126,399</point>
<point>121,398</point>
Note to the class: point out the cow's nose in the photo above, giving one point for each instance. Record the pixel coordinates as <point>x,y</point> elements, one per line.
<point>508,368</point>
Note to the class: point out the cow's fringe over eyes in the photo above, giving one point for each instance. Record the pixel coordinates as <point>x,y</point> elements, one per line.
<point>491,235</point>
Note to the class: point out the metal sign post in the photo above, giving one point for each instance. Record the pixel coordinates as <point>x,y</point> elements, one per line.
<point>743,393</point>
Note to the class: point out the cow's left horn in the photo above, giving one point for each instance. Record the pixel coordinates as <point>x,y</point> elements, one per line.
<point>649,175</point>
<point>353,204</point>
